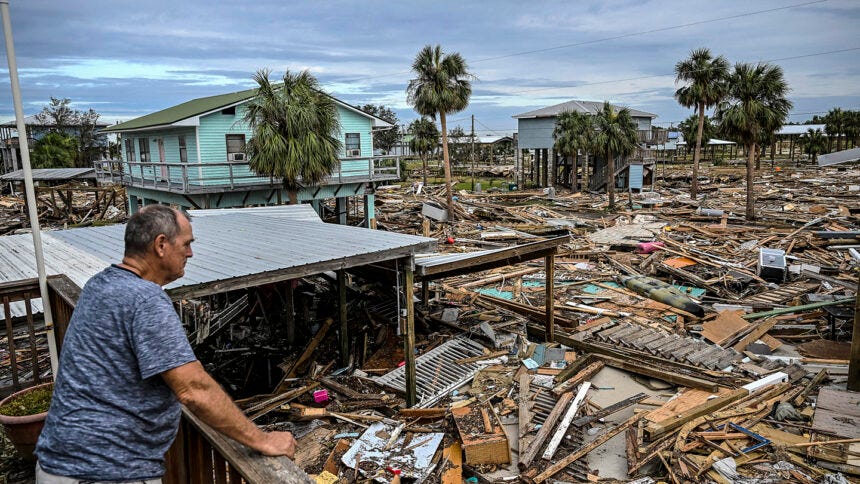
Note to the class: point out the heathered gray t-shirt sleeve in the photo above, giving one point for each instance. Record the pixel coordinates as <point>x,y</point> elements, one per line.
<point>159,347</point>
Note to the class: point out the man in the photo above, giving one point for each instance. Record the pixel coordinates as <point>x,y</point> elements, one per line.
<point>126,365</point>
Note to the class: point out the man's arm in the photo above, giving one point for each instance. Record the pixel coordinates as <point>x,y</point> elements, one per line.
<point>208,401</point>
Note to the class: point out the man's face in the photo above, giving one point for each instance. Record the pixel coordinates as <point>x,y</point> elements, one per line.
<point>176,253</point>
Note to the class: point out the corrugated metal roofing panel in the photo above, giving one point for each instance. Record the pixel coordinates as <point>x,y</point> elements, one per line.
<point>301,212</point>
<point>51,174</point>
<point>843,156</point>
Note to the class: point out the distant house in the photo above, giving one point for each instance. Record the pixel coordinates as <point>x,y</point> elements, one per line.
<point>193,156</point>
<point>36,130</point>
<point>547,168</point>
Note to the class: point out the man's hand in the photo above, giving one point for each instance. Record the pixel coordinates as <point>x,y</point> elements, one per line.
<point>278,443</point>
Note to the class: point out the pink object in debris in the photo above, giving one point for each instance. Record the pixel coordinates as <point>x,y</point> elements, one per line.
<point>321,396</point>
<point>648,247</point>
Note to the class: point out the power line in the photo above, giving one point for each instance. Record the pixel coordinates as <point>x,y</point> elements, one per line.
<point>850,49</point>
<point>661,29</point>
<point>606,39</point>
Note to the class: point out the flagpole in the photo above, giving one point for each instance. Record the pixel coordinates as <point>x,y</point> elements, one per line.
<point>28,186</point>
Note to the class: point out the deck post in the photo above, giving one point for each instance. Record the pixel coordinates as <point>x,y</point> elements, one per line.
<point>409,333</point>
<point>549,331</point>
<point>341,309</point>
<point>369,209</point>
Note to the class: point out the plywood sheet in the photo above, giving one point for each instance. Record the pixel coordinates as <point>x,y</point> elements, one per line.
<point>685,401</point>
<point>727,325</point>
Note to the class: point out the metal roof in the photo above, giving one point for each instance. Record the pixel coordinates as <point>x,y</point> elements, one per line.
<point>486,140</point>
<point>231,251</point>
<point>794,129</point>
<point>447,265</point>
<point>587,107</point>
<point>44,174</point>
<point>203,105</point>
<point>300,212</point>
<point>844,156</point>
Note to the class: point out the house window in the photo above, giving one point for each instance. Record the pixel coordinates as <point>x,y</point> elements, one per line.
<point>235,147</point>
<point>353,144</point>
<point>183,150</point>
<point>143,144</point>
<point>129,150</point>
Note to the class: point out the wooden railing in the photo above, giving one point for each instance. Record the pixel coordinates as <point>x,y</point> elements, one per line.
<point>199,455</point>
<point>24,357</point>
<point>198,177</point>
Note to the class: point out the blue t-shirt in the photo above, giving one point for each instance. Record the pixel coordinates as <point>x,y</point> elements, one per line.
<point>112,416</point>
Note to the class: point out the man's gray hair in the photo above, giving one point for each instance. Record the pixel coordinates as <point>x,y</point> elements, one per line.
<point>147,224</point>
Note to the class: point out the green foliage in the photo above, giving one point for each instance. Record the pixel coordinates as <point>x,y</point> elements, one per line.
<point>425,136</point>
<point>294,126</point>
<point>31,403</point>
<point>616,132</point>
<point>756,104</point>
<point>690,126</point>
<point>814,142</point>
<point>442,85</point>
<point>55,150</point>
<point>573,131</point>
<point>80,124</point>
<point>705,80</point>
<point>384,139</point>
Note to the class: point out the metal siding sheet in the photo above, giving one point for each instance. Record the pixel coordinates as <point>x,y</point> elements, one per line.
<point>636,172</point>
<point>535,133</point>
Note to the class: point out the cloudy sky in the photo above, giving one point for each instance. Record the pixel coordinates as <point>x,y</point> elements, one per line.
<point>129,58</point>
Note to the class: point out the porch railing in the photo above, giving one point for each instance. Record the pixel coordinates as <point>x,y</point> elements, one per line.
<point>198,455</point>
<point>24,357</point>
<point>201,177</point>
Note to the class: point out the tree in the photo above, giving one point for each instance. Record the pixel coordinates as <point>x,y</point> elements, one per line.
<point>705,85</point>
<point>755,106</point>
<point>834,126</point>
<point>689,128</point>
<point>574,132</point>
<point>55,150</point>
<point>294,129</point>
<point>425,139</point>
<point>814,142</point>
<point>62,118</point>
<point>615,136</point>
<point>459,146</point>
<point>384,139</point>
<point>442,85</point>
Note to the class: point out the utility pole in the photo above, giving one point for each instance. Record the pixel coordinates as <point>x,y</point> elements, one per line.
<point>473,152</point>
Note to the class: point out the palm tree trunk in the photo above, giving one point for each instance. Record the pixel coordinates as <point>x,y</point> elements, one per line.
<point>573,174</point>
<point>610,178</point>
<point>751,159</point>
<point>694,185</point>
<point>293,195</point>
<point>447,161</point>
<point>424,165</point>
<point>585,178</point>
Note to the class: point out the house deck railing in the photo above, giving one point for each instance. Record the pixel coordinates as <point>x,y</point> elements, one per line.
<point>212,177</point>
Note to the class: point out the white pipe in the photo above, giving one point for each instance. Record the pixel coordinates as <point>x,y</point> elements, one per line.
<point>28,185</point>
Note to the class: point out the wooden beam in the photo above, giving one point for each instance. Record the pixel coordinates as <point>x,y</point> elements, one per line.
<point>549,305</point>
<point>573,457</point>
<point>580,377</point>
<point>524,414</point>
<point>854,363</point>
<point>615,407</point>
<point>528,455</point>
<point>342,318</point>
<point>656,429</point>
<point>509,256</point>
<point>409,333</point>
<point>565,422</point>
<point>309,350</point>
<point>756,333</point>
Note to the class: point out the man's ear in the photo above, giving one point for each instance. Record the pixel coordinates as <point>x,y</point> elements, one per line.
<point>159,244</point>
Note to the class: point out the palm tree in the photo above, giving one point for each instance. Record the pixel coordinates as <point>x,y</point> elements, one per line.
<point>615,136</point>
<point>442,85</point>
<point>573,132</point>
<point>295,131</point>
<point>425,139</point>
<point>814,142</point>
<point>705,85</point>
<point>755,106</point>
<point>835,126</point>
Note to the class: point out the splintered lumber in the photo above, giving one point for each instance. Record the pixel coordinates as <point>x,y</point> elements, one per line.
<point>755,334</point>
<point>573,457</point>
<point>433,412</point>
<point>537,313</point>
<point>615,407</point>
<point>524,414</point>
<point>796,309</point>
<point>656,429</point>
<point>306,354</point>
<point>454,455</point>
<point>267,406</point>
<point>813,384</point>
<point>642,368</point>
<point>565,422</point>
<point>575,380</point>
<point>528,455</point>
<point>500,277</point>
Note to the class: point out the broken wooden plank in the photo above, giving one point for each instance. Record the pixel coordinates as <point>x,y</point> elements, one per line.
<point>655,429</point>
<point>580,377</point>
<point>528,455</point>
<point>615,407</point>
<point>565,422</point>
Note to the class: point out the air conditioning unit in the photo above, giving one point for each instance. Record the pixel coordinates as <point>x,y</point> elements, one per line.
<point>236,156</point>
<point>356,152</point>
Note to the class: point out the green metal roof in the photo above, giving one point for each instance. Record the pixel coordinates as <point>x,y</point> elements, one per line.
<point>182,111</point>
